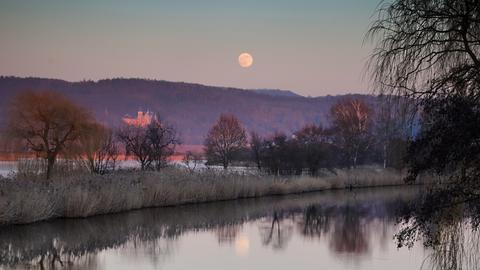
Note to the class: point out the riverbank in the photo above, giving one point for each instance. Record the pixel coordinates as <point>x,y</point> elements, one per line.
<point>82,195</point>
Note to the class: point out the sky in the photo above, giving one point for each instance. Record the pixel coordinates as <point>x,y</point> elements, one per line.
<point>313,47</point>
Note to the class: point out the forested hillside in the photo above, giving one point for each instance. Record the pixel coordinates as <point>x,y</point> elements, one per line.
<point>191,108</point>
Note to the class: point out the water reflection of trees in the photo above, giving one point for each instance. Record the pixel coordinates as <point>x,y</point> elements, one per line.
<point>276,230</point>
<point>446,223</point>
<point>227,233</point>
<point>350,234</point>
<point>348,227</point>
<point>315,223</point>
<point>153,232</point>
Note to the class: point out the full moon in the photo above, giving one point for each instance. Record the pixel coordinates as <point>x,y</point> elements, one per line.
<point>245,60</point>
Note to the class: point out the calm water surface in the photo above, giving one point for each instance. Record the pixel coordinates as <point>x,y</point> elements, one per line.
<point>327,230</point>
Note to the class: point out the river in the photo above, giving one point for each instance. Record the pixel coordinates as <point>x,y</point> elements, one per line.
<point>324,230</point>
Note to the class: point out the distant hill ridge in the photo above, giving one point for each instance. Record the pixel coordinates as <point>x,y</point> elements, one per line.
<point>276,92</point>
<point>191,108</point>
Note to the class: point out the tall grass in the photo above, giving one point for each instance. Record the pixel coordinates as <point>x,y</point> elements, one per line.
<point>27,199</point>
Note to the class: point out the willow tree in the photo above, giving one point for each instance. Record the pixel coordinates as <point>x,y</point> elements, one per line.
<point>47,123</point>
<point>429,51</point>
<point>426,49</point>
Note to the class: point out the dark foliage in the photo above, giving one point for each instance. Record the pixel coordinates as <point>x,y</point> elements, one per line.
<point>429,51</point>
<point>309,149</point>
<point>449,142</point>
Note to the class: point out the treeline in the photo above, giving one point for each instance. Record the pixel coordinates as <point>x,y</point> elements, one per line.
<point>357,136</point>
<point>52,126</point>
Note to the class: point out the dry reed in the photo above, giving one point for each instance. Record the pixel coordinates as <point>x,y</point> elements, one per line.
<point>27,199</point>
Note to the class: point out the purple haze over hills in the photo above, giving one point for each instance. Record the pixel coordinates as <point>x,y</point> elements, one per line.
<point>191,108</point>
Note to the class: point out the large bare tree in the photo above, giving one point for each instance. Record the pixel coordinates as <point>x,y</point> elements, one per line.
<point>48,123</point>
<point>352,122</point>
<point>226,138</point>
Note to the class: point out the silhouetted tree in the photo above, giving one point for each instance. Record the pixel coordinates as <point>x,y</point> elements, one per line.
<point>48,123</point>
<point>429,52</point>
<point>352,124</point>
<point>256,147</point>
<point>100,148</point>
<point>151,145</point>
<point>315,145</point>
<point>281,155</point>
<point>427,48</point>
<point>225,139</point>
<point>162,139</point>
<point>391,123</point>
<point>309,148</point>
<point>448,142</point>
<point>134,138</point>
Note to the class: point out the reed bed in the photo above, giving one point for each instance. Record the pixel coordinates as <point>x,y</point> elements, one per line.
<point>30,198</point>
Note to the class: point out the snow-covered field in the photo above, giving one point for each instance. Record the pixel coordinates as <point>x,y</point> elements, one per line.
<point>10,167</point>
<point>7,167</point>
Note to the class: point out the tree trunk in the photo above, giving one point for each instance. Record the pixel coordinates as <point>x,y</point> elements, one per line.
<point>50,163</point>
<point>385,156</point>
<point>225,163</point>
<point>259,166</point>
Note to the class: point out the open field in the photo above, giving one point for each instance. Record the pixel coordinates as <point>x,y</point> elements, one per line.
<point>31,199</point>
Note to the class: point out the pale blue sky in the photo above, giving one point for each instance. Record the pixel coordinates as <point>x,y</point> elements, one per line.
<point>313,47</point>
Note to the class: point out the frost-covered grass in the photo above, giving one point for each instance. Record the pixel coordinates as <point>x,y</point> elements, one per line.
<point>29,198</point>
<point>7,168</point>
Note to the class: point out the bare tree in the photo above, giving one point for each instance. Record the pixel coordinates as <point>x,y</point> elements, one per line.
<point>48,123</point>
<point>151,145</point>
<point>352,121</point>
<point>162,139</point>
<point>226,138</point>
<point>134,138</point>
<point>100,149</point>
